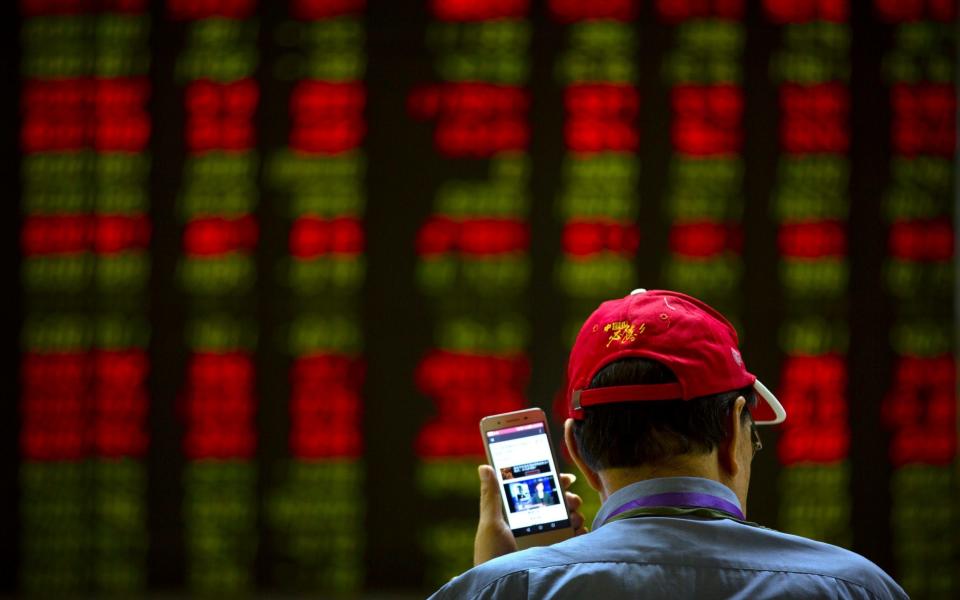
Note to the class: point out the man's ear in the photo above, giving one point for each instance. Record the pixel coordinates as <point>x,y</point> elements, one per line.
<point>730,454</point>
<point>593,478</point>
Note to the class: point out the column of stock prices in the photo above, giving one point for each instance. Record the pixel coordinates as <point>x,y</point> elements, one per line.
<point>810,206</point>
<point>919,197</point>
<point>315,505</point>
<point>702,199</point>
<point>277,259</point>
<point>85,273</point>
<point>473,265</point>
<point>216,270</point>
<point>595,198</point>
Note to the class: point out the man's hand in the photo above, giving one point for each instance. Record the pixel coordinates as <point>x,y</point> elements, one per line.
<point>493,534</point>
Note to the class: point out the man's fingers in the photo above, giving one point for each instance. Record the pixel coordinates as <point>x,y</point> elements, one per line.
<point>489,494</point>
<point>576,521</point>
<point>494,537</point>
<point>573,501</point>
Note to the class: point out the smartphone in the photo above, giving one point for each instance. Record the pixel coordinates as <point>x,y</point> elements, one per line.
<point>519,450</point>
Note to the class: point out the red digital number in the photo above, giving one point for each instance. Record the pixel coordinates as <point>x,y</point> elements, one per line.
<point>900,11</point>
<point>115,439</point>
<point>927,241</point>
<point>813,392</point>
<point>71,234</point>
<point>601,117</point>
<point>677,11</point>
<point>55,234</point>
<point>472,237</point>
<point>189,10</point>
<point>313,10</point>
<point>474,120</point>
<point>704,239</point>
<point>803,11</point>
<point>325,407</point>
<point>218,406</point>
<point>478,10</point>
<point>707,119</point>
<point>569,11</point>
<point>50,442</point>
<point>311,237</point>
<point>466,388</point>
<point>80,404</point>
<point>220,115</point>
<point>815,118</point>
<point>35,8</point>
<point>813,239</point>
<point>120,403</point>
<point>586,238</point>
<point>211,236</point>
<point>327,117</point>
<point>70,114</point>
<point>921,411</point>
<point>924,119</point>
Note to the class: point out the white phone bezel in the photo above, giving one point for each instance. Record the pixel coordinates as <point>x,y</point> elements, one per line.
<point>511,419</point>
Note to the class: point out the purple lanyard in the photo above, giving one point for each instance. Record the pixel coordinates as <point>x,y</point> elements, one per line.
<point>681,499</point>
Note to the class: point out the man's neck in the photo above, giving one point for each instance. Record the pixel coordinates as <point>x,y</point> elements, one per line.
<point>700,465</point>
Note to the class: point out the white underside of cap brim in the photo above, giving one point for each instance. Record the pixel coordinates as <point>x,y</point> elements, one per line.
<point>772,402</point>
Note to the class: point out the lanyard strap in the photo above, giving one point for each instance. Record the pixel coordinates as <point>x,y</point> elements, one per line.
<point>682,499</point>
<point>678,511</point>
<point>680,504</point>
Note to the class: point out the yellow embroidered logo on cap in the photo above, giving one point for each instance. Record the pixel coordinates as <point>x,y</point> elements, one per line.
<point>623,332</point>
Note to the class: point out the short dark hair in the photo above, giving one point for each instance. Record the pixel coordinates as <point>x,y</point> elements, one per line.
<point>630,434</point>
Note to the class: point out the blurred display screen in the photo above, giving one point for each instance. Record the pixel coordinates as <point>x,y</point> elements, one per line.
<point>278,259</point>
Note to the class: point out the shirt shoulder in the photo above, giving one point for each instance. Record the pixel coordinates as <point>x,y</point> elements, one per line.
<point>472,586</point>
<point>803,555</point>
<point>508,576</point>
<point>677,553</point>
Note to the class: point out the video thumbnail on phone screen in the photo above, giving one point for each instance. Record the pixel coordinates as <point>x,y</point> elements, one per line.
<point>532,493</point>
<point>529,486</point>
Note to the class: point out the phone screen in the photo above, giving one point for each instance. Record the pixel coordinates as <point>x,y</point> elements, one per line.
<point>528,479</point>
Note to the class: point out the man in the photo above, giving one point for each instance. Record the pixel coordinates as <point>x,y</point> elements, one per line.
<point>663,417</point>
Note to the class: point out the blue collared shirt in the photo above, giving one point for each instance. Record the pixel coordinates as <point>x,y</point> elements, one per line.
<point>676,557</point>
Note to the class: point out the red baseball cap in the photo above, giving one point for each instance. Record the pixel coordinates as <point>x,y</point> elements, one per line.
<point>690,338</point>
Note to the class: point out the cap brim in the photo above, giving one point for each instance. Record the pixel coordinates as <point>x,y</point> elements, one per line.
<point>769,411</point>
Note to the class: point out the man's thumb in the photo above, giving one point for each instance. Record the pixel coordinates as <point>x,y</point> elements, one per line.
<point>489,494</point>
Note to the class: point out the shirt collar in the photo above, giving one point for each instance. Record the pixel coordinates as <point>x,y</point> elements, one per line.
<point>663,485</point>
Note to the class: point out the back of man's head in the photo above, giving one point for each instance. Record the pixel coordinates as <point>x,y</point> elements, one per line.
<point>655,377</point>
<point>652,433</point>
